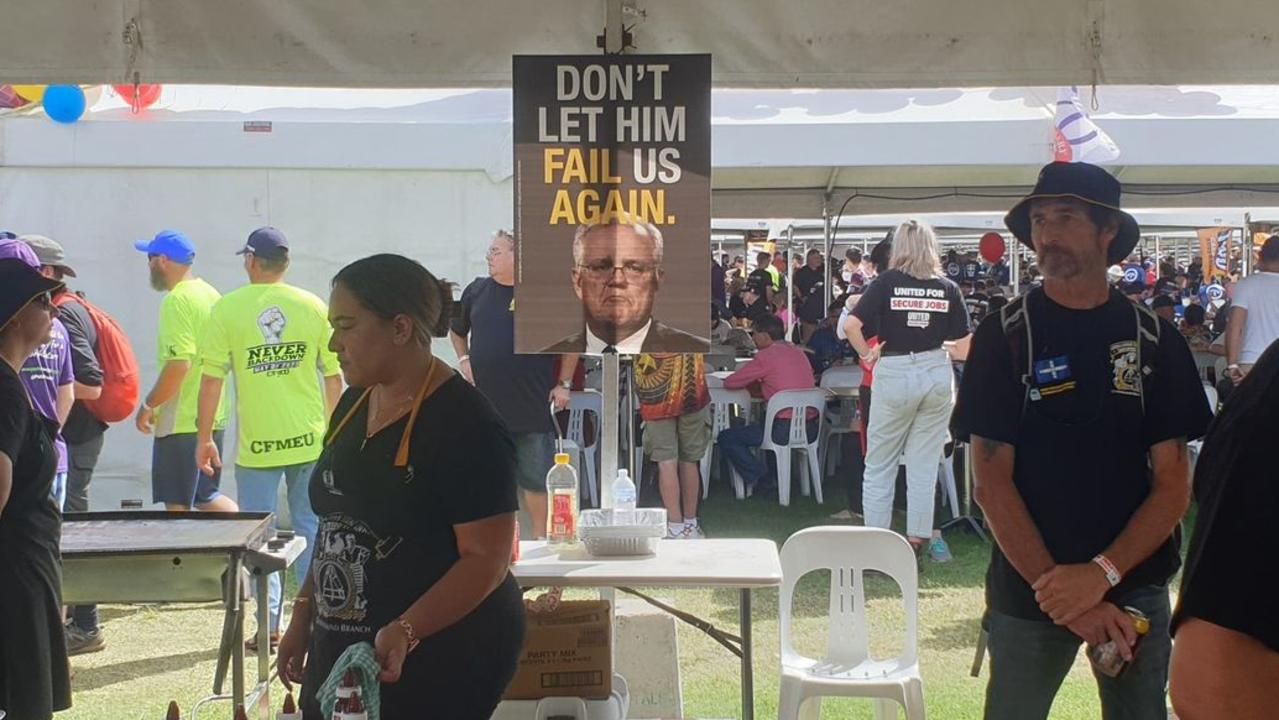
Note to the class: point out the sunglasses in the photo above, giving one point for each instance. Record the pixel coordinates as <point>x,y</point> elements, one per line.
<point>44,300</point>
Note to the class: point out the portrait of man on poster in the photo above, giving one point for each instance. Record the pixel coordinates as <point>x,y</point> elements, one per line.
<point>617,274</point>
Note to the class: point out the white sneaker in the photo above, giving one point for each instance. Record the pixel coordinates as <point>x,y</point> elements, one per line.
<point>692,532</point>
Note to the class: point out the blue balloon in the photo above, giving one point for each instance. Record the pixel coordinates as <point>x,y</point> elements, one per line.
<point>64,103</point>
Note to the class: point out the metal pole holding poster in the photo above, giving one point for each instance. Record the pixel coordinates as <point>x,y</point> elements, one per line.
<point>610,362</point>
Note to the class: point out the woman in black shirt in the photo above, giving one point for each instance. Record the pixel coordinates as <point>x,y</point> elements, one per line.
<point>1226,657</point>
<point>34,681</point>
<point>415,491</point>
<point>915,311</point>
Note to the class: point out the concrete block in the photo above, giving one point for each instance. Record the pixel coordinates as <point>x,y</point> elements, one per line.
<point>647,655</point>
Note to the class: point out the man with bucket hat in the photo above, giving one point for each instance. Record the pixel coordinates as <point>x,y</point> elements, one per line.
<point>1078,403</point>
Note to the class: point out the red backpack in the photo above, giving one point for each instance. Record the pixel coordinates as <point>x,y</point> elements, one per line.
<point>119,364</point>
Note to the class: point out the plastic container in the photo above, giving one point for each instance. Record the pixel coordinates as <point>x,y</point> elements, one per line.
<point>622,532</point>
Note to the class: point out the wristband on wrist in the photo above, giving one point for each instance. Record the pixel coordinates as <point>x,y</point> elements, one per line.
<point>463,359</point>
<point>1112,573</point>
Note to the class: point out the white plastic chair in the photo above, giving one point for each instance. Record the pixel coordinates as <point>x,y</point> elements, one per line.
<point>799,402</point>
<point>722,402</point>
<point>848,670</point>
<point>842,376</point>
<point>581,402</point>
<point>1196,446</point>
<point>1211,393</point>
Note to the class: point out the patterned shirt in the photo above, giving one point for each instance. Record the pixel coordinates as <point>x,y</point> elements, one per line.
<point>670,385</point>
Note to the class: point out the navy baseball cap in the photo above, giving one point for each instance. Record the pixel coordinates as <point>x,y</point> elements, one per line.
<point>266,242</point>
<point>169,243</point>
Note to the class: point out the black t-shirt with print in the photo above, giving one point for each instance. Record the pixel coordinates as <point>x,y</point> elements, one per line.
<point>386,536</point>
<point>519,386</point>
<point>1080,432</point>
<point>913,315</point>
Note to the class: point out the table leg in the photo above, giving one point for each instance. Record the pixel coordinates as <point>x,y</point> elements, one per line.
<point>264,642</point>
<point>748,671</point>
<point>237,645</point>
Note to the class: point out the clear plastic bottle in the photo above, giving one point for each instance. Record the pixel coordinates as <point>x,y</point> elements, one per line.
<point>562,505</point>
<point>623,499</point>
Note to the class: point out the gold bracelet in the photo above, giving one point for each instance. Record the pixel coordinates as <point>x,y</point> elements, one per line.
<point>407,627</point>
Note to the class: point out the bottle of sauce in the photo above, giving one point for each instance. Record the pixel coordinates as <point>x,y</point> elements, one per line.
<point>561,502</point>
<point>290,709</point>
<point>1106,658</point>
<point>350,700</point>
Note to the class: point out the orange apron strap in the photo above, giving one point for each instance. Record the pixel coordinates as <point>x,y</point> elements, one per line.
<point>347,417</point>
<point>437,375</point>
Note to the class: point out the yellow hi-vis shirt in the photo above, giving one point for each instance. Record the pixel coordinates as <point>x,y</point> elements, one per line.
<point>274,340</point>
<point>184,313</point>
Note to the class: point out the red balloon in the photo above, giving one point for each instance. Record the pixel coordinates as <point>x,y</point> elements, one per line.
<point>991,247</point>
<point>139,96</point>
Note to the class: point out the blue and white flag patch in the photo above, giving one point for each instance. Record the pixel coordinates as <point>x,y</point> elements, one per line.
<point>1052,370</point>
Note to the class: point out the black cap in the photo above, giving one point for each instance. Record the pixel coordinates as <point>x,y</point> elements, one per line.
<point>1080,181</point>
<point>19,285</point>
<point>266,242</point>
<point>1162,301</point>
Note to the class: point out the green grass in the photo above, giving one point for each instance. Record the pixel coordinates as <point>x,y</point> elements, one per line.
<point>160,653</point>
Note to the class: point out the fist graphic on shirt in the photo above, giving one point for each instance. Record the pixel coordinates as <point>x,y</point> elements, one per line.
<point>271,322</point>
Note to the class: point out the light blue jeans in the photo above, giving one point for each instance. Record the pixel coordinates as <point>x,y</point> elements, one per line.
<point>258,491</point>
<point>913,396</point>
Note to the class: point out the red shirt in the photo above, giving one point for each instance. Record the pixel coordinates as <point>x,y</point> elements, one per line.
<point>780,366</point>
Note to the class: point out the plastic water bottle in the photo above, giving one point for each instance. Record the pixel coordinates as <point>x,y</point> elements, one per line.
<point>561,502</point>
<point>623,499</point>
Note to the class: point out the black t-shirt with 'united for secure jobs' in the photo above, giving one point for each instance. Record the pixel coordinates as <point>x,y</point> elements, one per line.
<point>1080,433</point>
<point>913,315</point>
<point>519,386</point>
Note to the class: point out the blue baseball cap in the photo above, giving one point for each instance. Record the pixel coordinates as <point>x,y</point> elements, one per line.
<point>169,243</point>
<point>266,242</point>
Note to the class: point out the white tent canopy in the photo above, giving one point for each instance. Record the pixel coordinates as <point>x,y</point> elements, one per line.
<point>776,153</point>
<point>754,43</point>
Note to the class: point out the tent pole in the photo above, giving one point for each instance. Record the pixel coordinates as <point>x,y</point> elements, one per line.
<point>1246,261</point>
<point>827,249</point>
<point>790,280</point>
<point>1014,267</point>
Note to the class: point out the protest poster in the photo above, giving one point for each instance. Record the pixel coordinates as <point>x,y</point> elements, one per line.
<point>612,203</point>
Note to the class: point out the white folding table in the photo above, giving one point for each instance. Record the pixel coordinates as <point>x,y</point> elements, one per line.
<point>741,564</point>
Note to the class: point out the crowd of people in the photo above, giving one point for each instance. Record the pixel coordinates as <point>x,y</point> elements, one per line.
<point>1078,396</point>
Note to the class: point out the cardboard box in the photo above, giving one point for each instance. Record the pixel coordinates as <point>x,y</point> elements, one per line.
<point>567,653</point>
